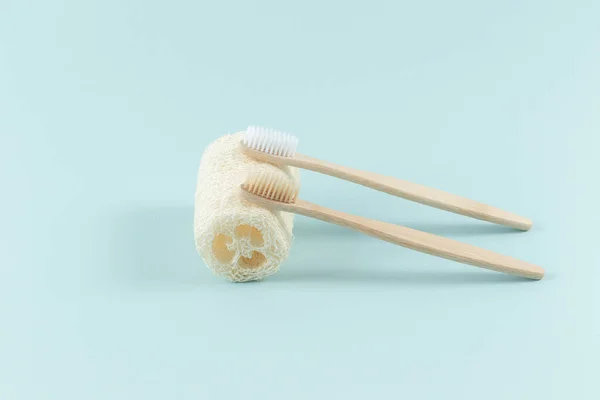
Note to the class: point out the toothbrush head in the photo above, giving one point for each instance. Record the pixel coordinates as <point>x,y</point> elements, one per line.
<point>271,186</point>
<point>270,141</point>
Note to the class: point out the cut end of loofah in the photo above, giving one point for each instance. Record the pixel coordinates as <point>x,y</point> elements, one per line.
<point>224,247</point>
<point>237,239</point>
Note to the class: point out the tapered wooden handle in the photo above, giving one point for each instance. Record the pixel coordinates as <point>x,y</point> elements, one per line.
<point>415,192</point>
<point>417,240</point>
<point>407,190</point>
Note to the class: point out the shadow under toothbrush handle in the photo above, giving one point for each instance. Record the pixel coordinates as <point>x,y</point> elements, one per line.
<point>416,240</point>
<point>412,191</point>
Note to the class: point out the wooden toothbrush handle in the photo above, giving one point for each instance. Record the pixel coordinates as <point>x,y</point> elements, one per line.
<point>412,191</point>
<point>419,241</point>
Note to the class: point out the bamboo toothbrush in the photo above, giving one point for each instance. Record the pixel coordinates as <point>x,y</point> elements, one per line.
<point>280,148</point>
<point>280,193</point>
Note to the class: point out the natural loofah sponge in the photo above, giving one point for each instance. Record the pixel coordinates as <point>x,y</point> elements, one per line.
<point>236,239</point>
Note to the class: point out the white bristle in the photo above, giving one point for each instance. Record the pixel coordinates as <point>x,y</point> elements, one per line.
<point>271,141</point>
<point>272,186</point>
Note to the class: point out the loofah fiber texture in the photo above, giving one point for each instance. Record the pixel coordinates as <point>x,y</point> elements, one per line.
<point>237,239</point>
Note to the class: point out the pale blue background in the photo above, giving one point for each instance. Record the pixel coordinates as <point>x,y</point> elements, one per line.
<point>106,107</point>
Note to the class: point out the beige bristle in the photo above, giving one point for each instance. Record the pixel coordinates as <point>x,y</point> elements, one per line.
<point>272,186</point>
